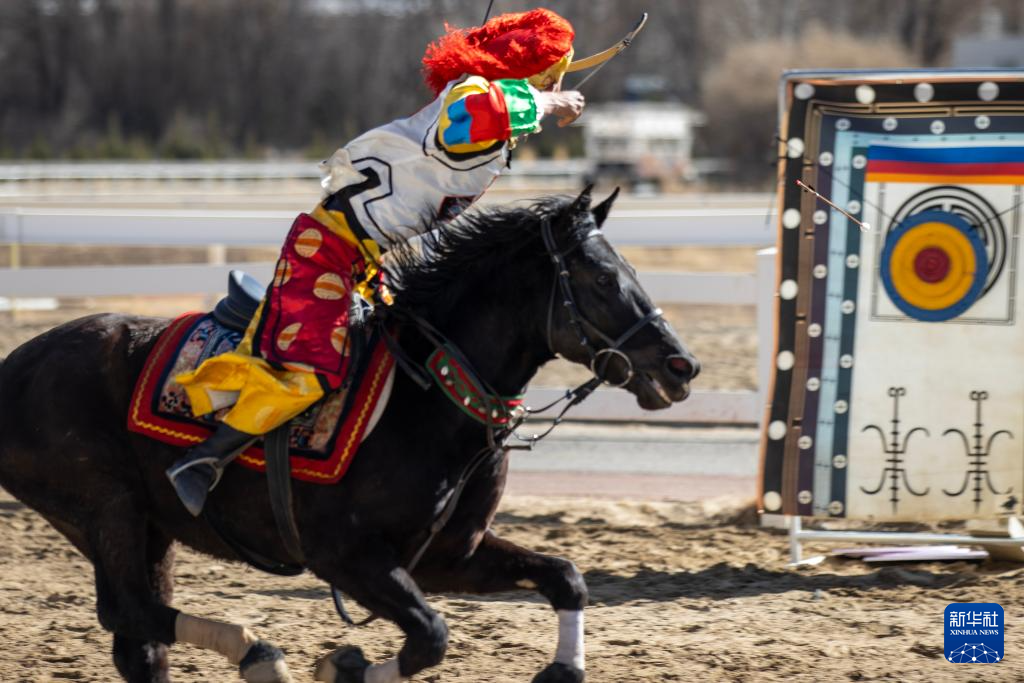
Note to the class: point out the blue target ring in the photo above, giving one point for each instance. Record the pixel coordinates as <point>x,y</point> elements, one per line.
<point>933,266</point>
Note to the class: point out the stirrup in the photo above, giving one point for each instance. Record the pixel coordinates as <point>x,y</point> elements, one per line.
<point>215,464</point>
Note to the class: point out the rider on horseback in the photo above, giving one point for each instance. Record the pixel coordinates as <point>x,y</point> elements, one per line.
<point>493,84</point>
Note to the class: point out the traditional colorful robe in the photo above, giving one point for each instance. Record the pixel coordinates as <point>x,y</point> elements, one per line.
<point>382,186</point>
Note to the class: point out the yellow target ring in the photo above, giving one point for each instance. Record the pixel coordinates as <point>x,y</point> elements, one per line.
<point>951,288</point>
<point>933,265</point>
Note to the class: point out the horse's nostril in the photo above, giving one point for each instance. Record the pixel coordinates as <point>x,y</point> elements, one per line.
<point>682,367</point>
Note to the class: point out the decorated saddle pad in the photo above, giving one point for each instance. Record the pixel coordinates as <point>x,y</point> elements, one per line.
<point>323,440</point>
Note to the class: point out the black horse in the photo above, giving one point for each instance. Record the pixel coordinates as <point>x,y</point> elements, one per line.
<point>491,288</point>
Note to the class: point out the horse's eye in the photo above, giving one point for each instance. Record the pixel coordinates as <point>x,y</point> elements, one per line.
<point>605,280</point>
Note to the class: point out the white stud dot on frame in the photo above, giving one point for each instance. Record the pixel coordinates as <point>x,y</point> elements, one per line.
<point>859,161</point>
<point>776,430</point>
<point>804,442</point>
<point>842,124</point>
<point>804,497</point>
<point>889,124</point>
<point>988,91</point>
<point>982,122</point>
<point>788,289</point>
<point>839,461</point>
<point>785,360</point>
<point>820,271</point>
<point>865,94</point>
<point>847,306</point>
<point>794,147</point>
<point>825,159</point>
<point>772,501</point>
<point>836,507</point>
<point>841,406</point>
<point>853,206</point>
<point>820,217</point>
<point>852,260</point>
<point>813,384</point>
<point>937,127</point>
<point>846,361</point>
<point>814,330</point>
<point>924,92</point>
<point>803,91</point>
<point>791,218</point>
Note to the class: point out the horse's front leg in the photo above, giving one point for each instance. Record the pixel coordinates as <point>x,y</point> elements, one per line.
<point>381,585</point>
<point>499,565</point>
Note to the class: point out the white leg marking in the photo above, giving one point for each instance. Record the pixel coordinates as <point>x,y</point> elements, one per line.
<point>384,673</point>
<point>570,638</point>
<point>228,639</point>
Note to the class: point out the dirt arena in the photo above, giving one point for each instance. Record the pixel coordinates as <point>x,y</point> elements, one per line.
<point>680,591</point>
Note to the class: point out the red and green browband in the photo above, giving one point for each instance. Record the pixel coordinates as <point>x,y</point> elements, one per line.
<point>463,392</point>
<point>506,110</point>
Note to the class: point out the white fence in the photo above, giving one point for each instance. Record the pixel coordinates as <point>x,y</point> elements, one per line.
<point>669,227</point>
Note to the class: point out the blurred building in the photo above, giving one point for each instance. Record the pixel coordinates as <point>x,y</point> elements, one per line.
<point>641,143</point>
<point>995,45</point>
<point>1003,52</point>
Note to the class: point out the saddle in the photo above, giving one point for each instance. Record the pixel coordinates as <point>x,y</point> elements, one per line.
<point>321,441</point>
<point>236,309</point>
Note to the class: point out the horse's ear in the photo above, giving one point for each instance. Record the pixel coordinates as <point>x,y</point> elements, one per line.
<point>582,203</point>
<point>601,210</point>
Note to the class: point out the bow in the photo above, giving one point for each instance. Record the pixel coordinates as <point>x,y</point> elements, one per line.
<point>605,56</point>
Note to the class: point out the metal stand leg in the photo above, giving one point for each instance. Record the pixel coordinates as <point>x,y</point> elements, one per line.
<point>795,551</point>
<point>1006,543</point>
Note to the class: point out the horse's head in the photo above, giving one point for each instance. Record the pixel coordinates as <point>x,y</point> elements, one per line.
<point>601,317</point>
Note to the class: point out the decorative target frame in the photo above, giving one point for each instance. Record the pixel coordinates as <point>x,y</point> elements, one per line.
<point>887,337</point>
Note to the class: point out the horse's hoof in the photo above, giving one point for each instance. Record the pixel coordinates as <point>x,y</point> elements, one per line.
<point>560,673</point>
<point>344,665</point>
<point>264,663</point>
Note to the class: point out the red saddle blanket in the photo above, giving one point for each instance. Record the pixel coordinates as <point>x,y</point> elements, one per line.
<point>323,440</point>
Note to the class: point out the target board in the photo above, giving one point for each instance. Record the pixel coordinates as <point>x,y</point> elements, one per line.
<point>898,381</point>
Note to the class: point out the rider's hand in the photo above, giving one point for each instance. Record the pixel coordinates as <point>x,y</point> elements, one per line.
<point>567,105</point>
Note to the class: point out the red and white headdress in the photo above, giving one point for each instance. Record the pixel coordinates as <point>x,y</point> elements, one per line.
<point>514,45</point>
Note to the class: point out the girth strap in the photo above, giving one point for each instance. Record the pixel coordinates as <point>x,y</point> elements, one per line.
<point>279,484</point>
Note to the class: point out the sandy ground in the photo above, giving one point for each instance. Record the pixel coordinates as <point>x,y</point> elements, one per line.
<point>679,592</point>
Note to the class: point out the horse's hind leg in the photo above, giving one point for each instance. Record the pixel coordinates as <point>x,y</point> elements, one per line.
<point>132,589</point>
<point>132,566</point>
<point>139,660</point>
<point>136,659</point>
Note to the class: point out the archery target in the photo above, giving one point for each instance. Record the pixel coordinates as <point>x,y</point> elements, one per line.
<point>934,265</point>
<point>899,398</point>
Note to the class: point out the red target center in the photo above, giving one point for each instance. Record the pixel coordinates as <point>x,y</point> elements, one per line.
<point>931,264</point>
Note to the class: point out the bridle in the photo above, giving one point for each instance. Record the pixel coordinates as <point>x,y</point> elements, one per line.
<point>577,320</point>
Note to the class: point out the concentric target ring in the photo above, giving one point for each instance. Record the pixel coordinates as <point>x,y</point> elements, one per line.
<point>934,265</point>
<point>974,209</point>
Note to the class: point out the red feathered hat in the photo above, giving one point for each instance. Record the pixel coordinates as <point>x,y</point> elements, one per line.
<point>515,45</point>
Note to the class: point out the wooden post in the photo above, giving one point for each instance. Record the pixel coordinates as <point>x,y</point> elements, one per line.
<point>15,259</point>
<point>216,255</point>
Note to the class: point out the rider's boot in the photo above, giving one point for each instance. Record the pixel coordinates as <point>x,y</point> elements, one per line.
<point>199,470</point>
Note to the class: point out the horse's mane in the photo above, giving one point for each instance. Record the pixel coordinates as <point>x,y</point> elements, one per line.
<point>456,254</point>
